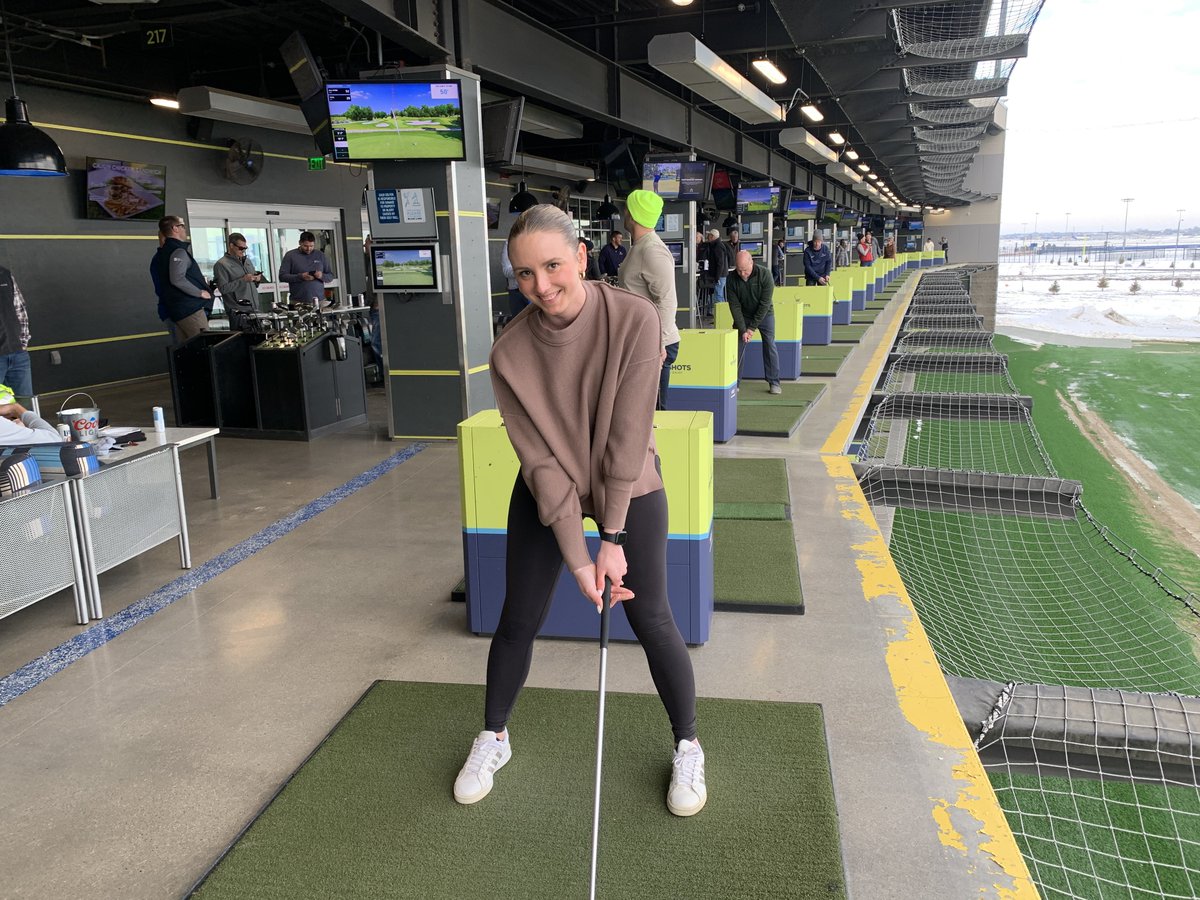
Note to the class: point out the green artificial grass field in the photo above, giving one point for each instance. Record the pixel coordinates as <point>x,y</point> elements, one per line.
<point>370,814</point>
<point>972,446</point>
<point>1146,395</point>
<point>961,383</point>
<point>750,489</point>
<point>1127,834</point>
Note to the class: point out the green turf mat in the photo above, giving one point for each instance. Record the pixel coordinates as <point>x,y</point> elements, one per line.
<point>370,814</point>
<point>750,481</point>
<point>822,367</point>
<point>849,333</point>
<point>795,393</point>
<point>877,305</point>
<point>824,351</point>
<point>866,317</point>
<point>764,511</point>
<point>755,567</point>
<point>768,420</point>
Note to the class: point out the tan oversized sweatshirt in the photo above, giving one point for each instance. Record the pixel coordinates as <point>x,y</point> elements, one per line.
<point>578,404</point>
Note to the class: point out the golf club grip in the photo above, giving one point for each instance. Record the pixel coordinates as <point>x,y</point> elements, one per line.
<point>605,611</point>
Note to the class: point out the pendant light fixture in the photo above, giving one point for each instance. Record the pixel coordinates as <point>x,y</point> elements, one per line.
<point>522,200</point>
<point>24,150</point>
<point>607,209</point>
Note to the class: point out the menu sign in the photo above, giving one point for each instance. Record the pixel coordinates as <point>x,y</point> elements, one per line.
<point>117,189</point>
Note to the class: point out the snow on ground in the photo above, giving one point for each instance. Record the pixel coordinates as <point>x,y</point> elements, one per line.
<point>1087,314</point>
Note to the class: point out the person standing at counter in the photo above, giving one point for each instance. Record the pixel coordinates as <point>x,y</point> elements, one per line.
<point>612,255</point>
<point>818,261</point>
<point>649,270</point>
<point>182,288</point>
<point>236,278</point>
<point>306,271</point>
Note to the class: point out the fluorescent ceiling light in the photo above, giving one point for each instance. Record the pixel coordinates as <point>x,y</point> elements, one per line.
<point>165,102</point>
<point>812,113</point>
<point>863,167</point>
<point>682,2</point>
<point>769,70</point>
<point>805,145</point>
<point>872,176</point>
<point>681,57</point>
<point>851,153</point>
<point>835,137</point>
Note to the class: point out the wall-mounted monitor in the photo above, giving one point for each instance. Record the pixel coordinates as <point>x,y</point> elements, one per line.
<point>795,246</point>
<point>914,225</point>
<point>397,120</point>
<point>784,200</point>
<point>674,179</point>
<point>723,195</point>
<point>501,125</point>
<point>832,214</point>
<point>408,268</point>
<point>676,248</point>
<point>757,199</point>
<point>803,209</point>
<point>695,177</point>
<point>754,248</point>
<point>118,189</point>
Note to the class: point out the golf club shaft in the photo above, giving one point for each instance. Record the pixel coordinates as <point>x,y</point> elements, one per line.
<point>605,615</point>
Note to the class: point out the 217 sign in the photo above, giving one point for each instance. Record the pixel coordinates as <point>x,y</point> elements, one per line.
<point>154,38</point>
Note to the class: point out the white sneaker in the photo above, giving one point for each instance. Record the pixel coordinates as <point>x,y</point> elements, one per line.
<point>687,794</point>
<point>474,781</point>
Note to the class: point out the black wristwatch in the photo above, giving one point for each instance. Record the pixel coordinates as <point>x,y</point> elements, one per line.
<point>618,538</point>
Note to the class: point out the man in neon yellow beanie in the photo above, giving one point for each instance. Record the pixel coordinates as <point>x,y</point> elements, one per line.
<point>649,270</point>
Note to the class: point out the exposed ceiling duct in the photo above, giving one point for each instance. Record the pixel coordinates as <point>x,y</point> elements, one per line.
<point>226,106</point>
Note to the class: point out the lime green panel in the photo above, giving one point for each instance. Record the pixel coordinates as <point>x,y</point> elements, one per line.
<point>707,357</point>
<point>858,274</point>
<point>842,282</point>
<point>789,318</point>
<point>815,300</point>
<point>489,466</point>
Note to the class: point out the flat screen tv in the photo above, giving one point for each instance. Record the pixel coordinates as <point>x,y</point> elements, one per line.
<point>676,248</point>
<point>723,195</point>
<point>754,248</point>
<point>694,179</point>
<point>795,246</point>
<point>378,120</point>
<point>501,125</point>
<point>408,268</point>
<point>832,214</point>
<point>914,225</point>
<point>131,191</point>
<point>757,199</point>
<point>803,209</point>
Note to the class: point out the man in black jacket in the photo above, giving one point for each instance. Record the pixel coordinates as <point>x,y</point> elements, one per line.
<point>818,262</point>
<point>184,292</point>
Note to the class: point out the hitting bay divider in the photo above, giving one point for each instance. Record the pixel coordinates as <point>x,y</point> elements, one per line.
<point>488,470</point>
<point>370,812</point>
<point>704,377</point>
<point>1084,705</point>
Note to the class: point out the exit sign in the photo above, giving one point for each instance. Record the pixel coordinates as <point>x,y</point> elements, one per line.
<point>316,163</point>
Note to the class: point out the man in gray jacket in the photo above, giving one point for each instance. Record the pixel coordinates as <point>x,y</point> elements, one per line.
<point>237,279</point>
<point>306,271</point>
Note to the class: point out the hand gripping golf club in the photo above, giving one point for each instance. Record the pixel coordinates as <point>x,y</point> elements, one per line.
<point>605,615</point>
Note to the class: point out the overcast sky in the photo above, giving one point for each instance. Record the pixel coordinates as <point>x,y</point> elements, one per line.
<point>1106,105</point>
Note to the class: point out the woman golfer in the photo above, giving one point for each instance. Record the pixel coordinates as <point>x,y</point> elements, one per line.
<point>576,376</point>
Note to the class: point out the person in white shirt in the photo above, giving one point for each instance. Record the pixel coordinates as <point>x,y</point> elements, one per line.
<point>18,427</point>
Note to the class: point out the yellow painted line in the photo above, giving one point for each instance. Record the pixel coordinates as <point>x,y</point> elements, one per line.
<point>78,237</point>
<point>478,369</point>
<point>839,438</point>
<point>424,372</point>
<point>925,701</point>
<point>92,387</point>
<point>107,340</point>
<point>157,140</point>
<point>462,213</point>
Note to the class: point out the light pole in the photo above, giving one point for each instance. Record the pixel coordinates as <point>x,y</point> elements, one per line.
<point>1125,231</point>
<point>1025,236</point>
<point>1178,224</point>
<point>1033,250</point>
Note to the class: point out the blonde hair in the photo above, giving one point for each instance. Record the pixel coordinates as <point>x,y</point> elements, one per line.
<point>545,217</point>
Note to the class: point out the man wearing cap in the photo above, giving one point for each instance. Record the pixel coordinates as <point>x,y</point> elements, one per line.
<point>719,263</point>
<point>649,270</point>
<point>818,262</point>
<point>750,304</point>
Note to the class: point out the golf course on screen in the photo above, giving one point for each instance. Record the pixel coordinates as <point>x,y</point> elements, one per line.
<point>403,268</point>
<point>400,121</point>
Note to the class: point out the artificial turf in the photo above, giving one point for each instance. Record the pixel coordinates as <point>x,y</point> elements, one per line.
<point>973,445</point>
<point>755,567</point>
<point>849,334</point>
<point>750,489</point>
<point>864,317</point>
<point>371,814</point>
<point>754,393</point>
<point>1104,839</point>
<point>767,420</point>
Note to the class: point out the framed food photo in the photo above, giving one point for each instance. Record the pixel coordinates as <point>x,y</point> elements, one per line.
<point>118,189</point>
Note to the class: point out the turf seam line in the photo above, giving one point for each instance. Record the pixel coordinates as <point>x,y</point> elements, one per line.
<point>59,658</point>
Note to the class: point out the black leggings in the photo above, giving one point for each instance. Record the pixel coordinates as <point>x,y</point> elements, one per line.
<point>532,569</point>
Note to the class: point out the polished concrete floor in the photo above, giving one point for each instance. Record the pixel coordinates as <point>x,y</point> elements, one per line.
<point>127,773</point>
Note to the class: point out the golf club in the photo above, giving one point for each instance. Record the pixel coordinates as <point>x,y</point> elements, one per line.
<point>605,615</point>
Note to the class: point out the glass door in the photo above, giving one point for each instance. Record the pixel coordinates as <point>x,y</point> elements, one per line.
<point>258,251</point>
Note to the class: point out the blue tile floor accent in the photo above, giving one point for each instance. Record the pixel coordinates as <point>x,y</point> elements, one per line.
<point>54,661</point>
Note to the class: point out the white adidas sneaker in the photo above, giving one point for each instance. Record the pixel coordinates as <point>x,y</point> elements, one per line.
<point>474,781</point>
<point>687,794</point>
